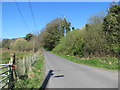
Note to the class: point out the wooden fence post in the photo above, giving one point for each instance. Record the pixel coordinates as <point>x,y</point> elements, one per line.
<point>11,68</point>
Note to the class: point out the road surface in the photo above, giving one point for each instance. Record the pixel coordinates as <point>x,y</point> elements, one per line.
<point>62,73</point>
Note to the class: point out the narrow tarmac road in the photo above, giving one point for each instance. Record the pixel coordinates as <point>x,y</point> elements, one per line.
<point>67,74</point>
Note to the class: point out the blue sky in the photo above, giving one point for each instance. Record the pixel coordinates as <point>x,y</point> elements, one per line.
<point>76,12</point>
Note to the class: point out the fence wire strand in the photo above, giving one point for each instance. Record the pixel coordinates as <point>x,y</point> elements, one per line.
<point>24,65</point>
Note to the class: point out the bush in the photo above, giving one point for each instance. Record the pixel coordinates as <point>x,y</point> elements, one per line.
<point>72,44</point>
<point>95,39</point>
<point>19,45</point>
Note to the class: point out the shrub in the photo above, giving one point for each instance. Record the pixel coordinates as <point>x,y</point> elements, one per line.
<point>72,44</point>
<point>19,45</point>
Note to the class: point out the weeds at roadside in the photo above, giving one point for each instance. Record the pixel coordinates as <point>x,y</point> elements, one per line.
<point>103,62</point>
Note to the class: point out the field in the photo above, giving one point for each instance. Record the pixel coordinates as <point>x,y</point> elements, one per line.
<point>5,55</point>
<point>103,62</point>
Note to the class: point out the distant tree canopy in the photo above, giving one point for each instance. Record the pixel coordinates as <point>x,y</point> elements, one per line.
<point>53,31</point>
<point>20,44</point>
<point>29,37</point>
<point>6,43</point>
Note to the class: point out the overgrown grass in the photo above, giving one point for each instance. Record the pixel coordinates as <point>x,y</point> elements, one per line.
<point>103,62</point>
<point>35,75</point>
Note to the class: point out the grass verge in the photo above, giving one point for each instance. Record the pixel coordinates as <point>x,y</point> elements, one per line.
<point>103,62</point>
<point>35,75</point>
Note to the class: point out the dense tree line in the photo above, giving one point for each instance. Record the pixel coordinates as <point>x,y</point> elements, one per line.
<point>99,37</point>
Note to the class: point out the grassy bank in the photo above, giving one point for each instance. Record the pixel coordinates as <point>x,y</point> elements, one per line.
<point>103,62</point>
<point>35,75</point>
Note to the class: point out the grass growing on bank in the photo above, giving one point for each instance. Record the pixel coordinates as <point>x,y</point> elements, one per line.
<point>35,75</point>
<point>103,62</point>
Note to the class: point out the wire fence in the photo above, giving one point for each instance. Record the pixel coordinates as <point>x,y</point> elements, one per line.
<point>24,65</point>
<point>14,70</point>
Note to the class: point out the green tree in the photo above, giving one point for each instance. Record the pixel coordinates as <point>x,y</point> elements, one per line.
<point>29,37</point>
<point>52,33</point>
<point>6,43</point>
<point>94,37</point>
<point>111,25</point>
<point>19,45</point>
<point>66,25</point>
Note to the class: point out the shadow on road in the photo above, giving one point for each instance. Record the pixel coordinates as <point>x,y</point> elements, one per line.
<point>59,76</point>
<point>44,84</point>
